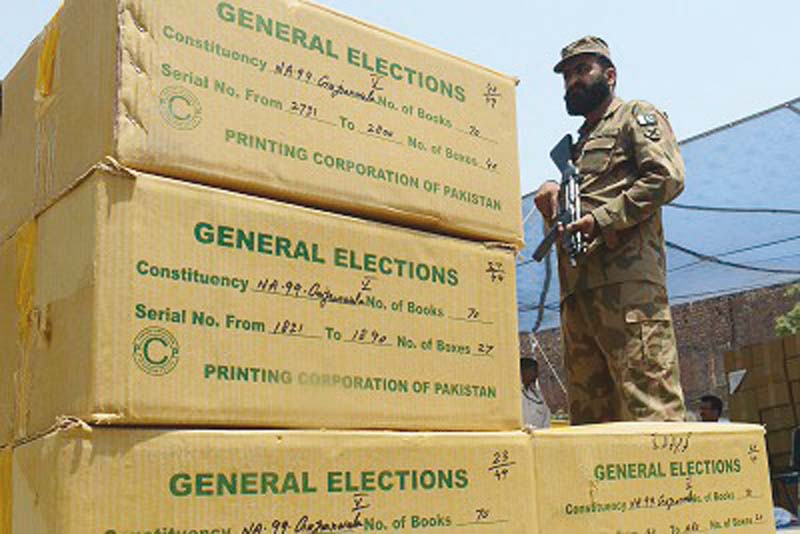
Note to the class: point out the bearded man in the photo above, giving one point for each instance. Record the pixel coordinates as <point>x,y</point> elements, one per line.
<point>619,344</point>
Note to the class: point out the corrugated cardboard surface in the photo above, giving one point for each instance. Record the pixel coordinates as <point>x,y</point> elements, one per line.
<point>161,302</point>
<point>682,477</point>
<point>6,496</point>
<point>281,98</point>
<point>743,406</point>
<point>10,355</point>
<point>773,395</point>
<point>738,359</point>
<point>778,417</point>
<point>793,369</point>
<point>769,387</point>
<point>81,480</point>
<point>779,443</point>
<point>768,353</point>
<point>791,346</point>
<point>768,370</point>
<point>18,185</point>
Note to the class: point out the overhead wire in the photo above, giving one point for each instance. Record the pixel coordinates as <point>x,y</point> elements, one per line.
<point>740,250</point>
<point>721,292</point>
<point>770,211</point>
<point>714,259</point>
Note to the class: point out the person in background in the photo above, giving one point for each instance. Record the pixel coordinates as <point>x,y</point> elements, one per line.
<point>535,411</point>
<point>711,409</point>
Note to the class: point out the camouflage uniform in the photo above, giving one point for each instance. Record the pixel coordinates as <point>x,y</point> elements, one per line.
<point>620,350</point>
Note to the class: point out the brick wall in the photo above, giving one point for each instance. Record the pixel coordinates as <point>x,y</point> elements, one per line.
<point>704,329</point>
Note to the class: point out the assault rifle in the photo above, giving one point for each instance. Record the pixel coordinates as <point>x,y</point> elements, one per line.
<point>569,209</point>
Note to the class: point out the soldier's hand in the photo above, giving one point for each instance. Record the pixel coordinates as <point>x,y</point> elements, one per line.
<point>586,225</point>
<point>546,199</point>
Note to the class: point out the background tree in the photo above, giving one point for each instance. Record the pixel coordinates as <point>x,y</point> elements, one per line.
<point>789,324</point>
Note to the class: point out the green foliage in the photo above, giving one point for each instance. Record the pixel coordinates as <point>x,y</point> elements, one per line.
<point>789,324</point>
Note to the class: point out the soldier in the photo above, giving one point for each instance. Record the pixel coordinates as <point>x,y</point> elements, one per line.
<point>619,343</point>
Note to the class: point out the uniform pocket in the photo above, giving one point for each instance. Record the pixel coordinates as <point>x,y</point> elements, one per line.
<point>650,329</point>
<point>596,154</point>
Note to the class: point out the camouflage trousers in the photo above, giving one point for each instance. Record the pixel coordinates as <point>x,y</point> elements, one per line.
<point>620,355</point>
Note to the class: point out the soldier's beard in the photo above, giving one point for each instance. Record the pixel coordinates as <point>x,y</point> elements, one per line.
<point>584,100</point>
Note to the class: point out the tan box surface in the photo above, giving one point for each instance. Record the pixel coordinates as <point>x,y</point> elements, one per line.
<point>115,481</point>
<point>779,443</point>
<point>778,418</point>
<point>738,359</point>
<point>773,395</point>
<point>285,99</point>
<point>793,369</point>
<point>9,357</point>
<point>673,477</point>
<point>791,346</point>
<point>744,407</point>
<point>768,354</point>
<point>162,302</point>
<point>763,373</point>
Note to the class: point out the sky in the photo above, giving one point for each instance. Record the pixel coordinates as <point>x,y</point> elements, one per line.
<point>705,62</point>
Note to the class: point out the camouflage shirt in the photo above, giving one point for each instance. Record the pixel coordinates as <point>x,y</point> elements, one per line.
<point>631,166</point>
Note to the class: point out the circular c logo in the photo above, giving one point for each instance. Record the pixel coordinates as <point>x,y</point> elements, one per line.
<point>155,351</point>
<point>180,108</point>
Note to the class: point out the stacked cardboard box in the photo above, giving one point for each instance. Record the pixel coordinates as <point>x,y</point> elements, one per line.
<point>765,388</point>
<point>159,302</point>
<point>652,478</point>
<point>175,338</point>
<point>284,99</point>
<point>82,479</point>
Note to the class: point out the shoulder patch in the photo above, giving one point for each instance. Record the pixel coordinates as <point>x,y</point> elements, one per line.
<point>646,119</point>
<point>652,133</point>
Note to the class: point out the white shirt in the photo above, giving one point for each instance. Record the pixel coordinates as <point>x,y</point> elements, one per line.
<point>535,411</point>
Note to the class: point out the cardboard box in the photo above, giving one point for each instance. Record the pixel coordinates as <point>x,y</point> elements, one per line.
<point>9,357</point>
<point>668,477</point>
<point>743,407</point>
<point>738,359</point>
<point>791,346</point>
<point>773,395</point>
<point>778,418</point>
<point>281,98</point>
<point>793,369</point>
<point>81,480</point>
<point>763,373</point>
<point>768,354</point>
<point>159,302</point>
<point>779,442</point>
